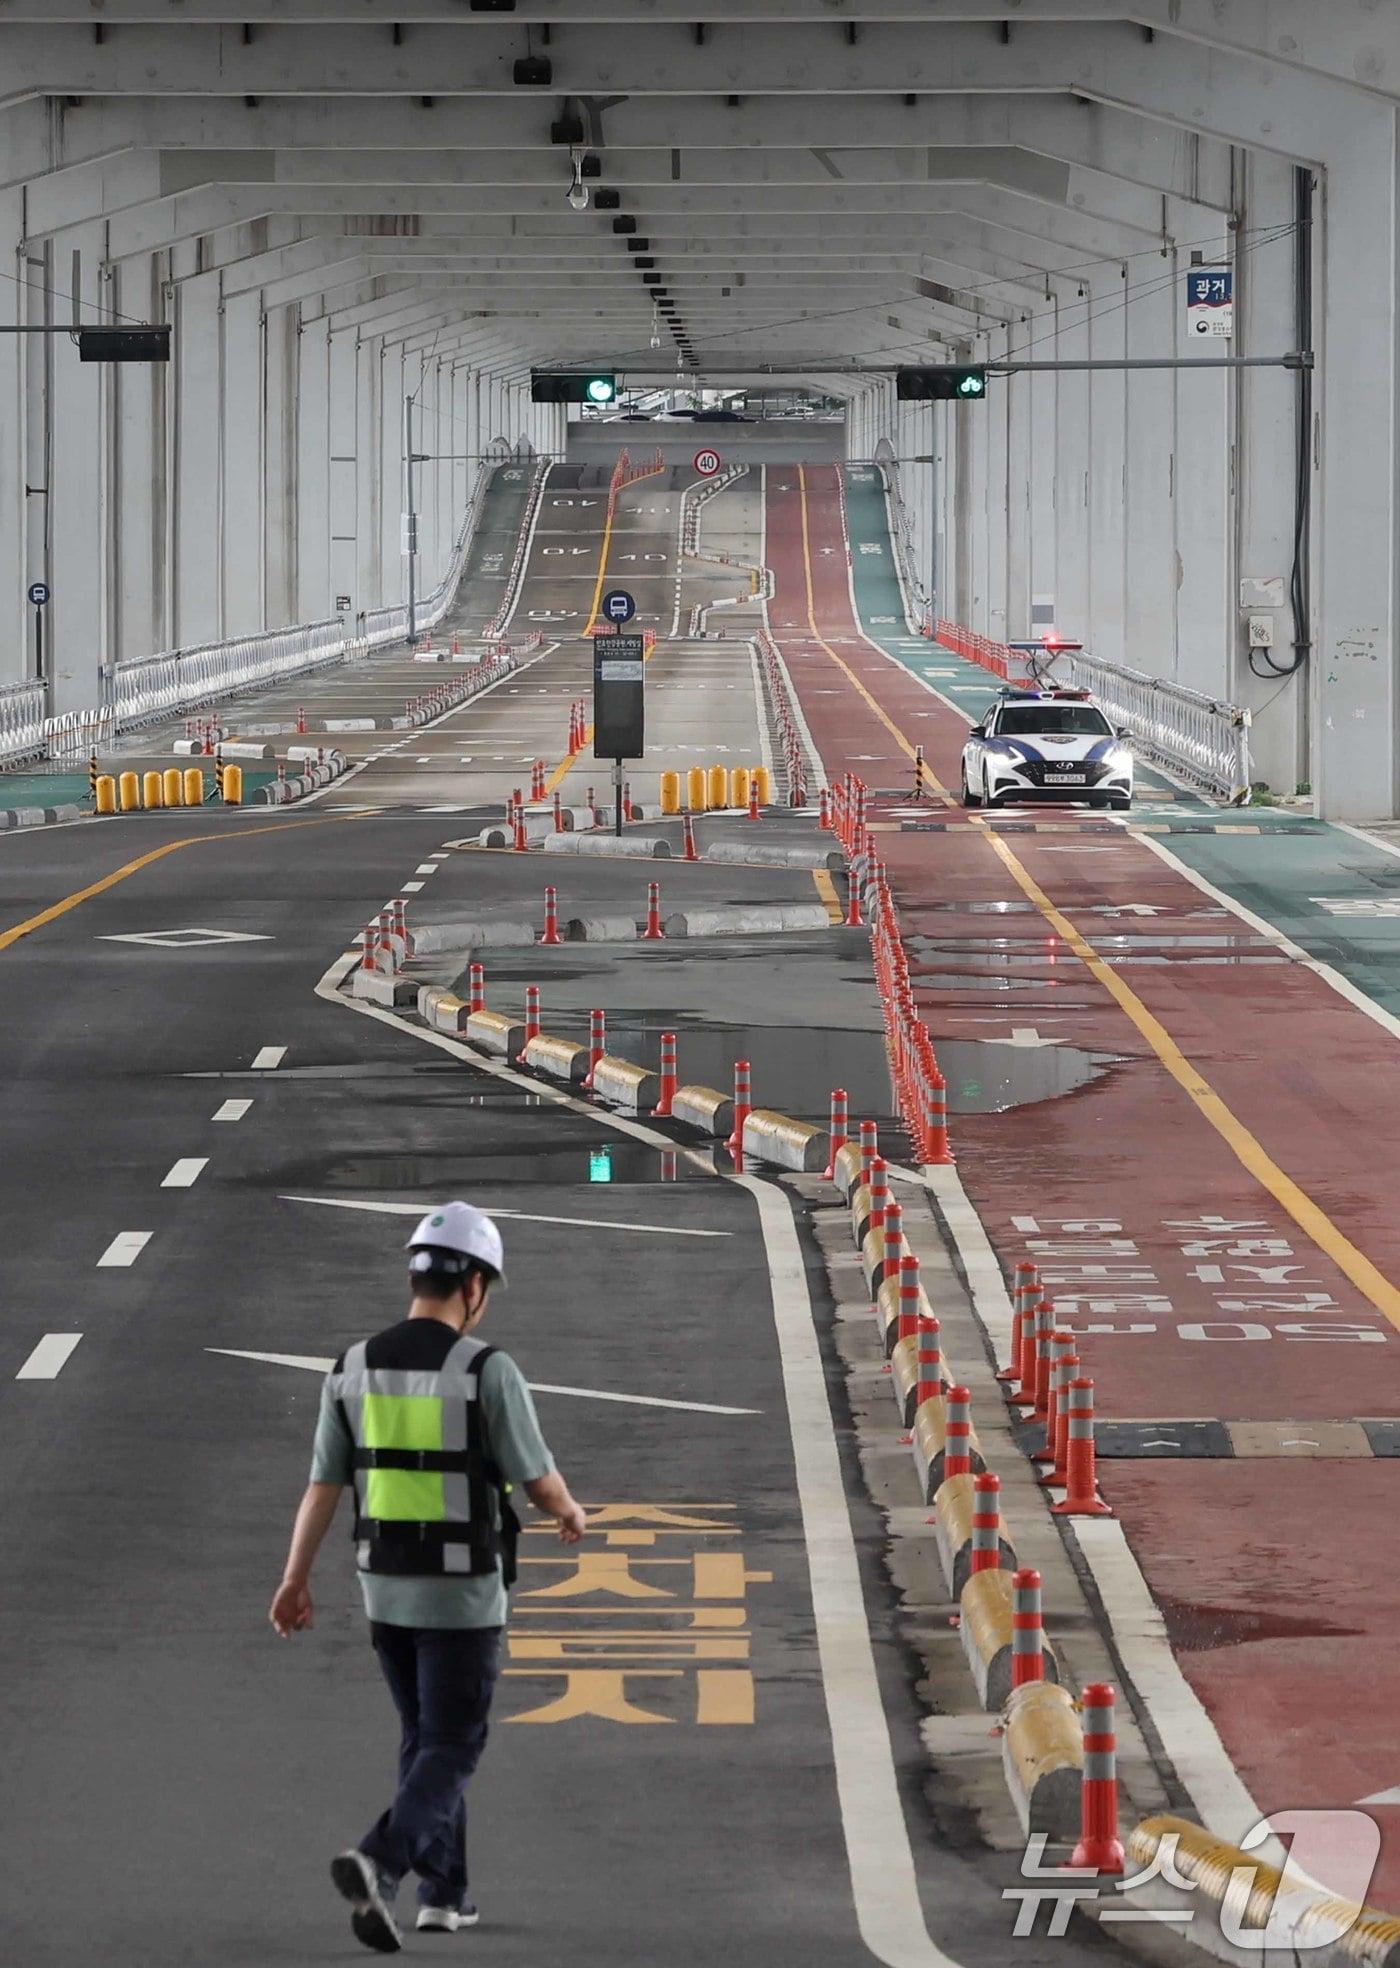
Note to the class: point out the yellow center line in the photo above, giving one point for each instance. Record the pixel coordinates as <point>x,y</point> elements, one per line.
<point>840,662</point>
<point>128,868</point>
<point>1311,1219</point>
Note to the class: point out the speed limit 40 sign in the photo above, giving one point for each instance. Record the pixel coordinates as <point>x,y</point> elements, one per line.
<point>707,463</point>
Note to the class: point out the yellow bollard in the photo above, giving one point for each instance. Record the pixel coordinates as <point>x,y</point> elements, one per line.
<point>194,786</point>
<point>152,795</point>
<point>719,787</point>
<point>174,787</point>
<point>695,789</point>
<point>129,792</point>
<point>233,785</point>
<point>764,780</point>
<point>670,792</point>
<point>105,792</point>
<point>739,787</point>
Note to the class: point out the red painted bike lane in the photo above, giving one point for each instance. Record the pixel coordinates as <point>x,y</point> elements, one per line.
<point>1204,1307</point>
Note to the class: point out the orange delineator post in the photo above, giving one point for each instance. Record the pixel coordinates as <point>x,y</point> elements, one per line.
<point>519,840</point>
<point>688,836</point>
<point>1061,1346</point>
<point>477,999</point>
<point>837,1130</point>
<point>537,780</point>
<point>1081,1479</point>
<point>957,1434</point>
<point>1056,1476</point>
<point>930,1384</point>
<point>532,1018</point>
<point>653,933</point>
<point>1099,1849</point>
<point>1027,1629</point>
<point>1025,1292</point>
<point>551,917</point>
<point>986,1522</point>
<point>662,1109</point>
<point>743,1107</point>
<point>597,1042</point>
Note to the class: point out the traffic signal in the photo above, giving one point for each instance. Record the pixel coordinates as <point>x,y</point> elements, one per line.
<point>124,344</point>
<point>557,386</point>
<point>946,383</point>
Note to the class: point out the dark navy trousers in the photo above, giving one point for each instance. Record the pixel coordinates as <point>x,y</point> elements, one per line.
<point>442,1680</point>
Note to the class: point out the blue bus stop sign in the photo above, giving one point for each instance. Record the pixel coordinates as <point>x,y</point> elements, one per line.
<point>38,593</point>
<point>618,606</point>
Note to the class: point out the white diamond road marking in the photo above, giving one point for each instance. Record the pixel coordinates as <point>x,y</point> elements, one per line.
<point>1366,907</point>
<point>124,1249</point>
<point>47,1360</point>
<point>186,1172</point>
<point>186,939</point>
<point>232,1110</point>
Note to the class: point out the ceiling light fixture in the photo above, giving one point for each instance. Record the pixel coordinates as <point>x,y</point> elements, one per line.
<point>577,193</point>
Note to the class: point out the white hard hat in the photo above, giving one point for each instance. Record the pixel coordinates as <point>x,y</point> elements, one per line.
<point>458,1227</point>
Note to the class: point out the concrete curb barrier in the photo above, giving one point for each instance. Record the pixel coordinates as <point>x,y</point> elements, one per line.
<point>283,792</point>
<point>748,922</point>
<point>442,1009</point>
<point>621,1084</point>
<point>384,988</point>
<point>789,1144</point>
<point>741,854</point>
<point>433,938</point>
<point>1042,1758</point>
<point>704,1108</point>
<point>627,847</point>
<point>846,1170</point>
<point>986,1631</point>
<point>930,1439</point>
<point>557,1059</point>
<point>904,1373</point>
<point>38,816</point>
<point>1305,1919</point>
<point>495,1033</point>
<point>887,1316</point>
<point>953,1505</point>
<point>600,929</point>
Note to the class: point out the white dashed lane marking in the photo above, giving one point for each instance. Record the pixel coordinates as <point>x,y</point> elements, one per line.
<point>412,888</point>
<point>186,1172</point>
<point>49,1357</point>
<point>124,1249</point>
<point>232,1110</point>
<point>266,1057</point>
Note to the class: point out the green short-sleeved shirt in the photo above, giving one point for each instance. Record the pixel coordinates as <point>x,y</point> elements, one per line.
<point>517,1448</point>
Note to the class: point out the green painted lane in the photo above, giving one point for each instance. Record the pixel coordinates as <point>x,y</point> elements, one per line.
<point>1335,894</point>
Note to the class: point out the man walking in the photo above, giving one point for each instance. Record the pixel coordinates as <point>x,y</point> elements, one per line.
<point>432,1428</point>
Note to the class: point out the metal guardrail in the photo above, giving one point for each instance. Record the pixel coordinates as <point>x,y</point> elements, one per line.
<point>1199,737</point>
<point>145,688</point>
<point>22,709</point>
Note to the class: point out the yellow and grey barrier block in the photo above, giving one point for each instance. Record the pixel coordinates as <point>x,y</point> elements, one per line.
<point>930,1445</point>
<point>846,1170</point>
<point>443,1010</point>
<point>635,1089</point>
<point>904,1376</point>
<point>887,1311</point>
<point>954,1506</point>
<point>987,1635</point>
<point>1042,1755</point>
<point>495,1033</point>
<point>1248,1912</point>
<point>705,1108</point>
<point>557,1059</point>
<point>788,1144</point>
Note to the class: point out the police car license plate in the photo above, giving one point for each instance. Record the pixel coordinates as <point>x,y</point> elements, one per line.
<point>1053,778</point>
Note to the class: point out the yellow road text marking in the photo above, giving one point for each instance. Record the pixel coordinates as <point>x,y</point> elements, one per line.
<point>826,888</point>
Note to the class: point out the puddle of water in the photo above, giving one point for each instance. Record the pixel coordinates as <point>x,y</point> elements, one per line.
<point>991,1079</point>
<point>458,1170</point>
<point>1196,1628</point>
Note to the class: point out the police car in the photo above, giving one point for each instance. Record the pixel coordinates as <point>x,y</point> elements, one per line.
<point>1046,744</point>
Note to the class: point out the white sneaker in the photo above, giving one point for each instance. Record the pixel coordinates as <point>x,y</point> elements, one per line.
<point>446,1920</point>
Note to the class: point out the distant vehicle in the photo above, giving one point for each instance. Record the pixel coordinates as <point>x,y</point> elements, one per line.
<point>632,417</point>
<point>1046,745</point>
<point>717,417</point>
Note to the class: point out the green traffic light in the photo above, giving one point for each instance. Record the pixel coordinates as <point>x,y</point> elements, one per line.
<point>601,389</point>
<point>972,385</point>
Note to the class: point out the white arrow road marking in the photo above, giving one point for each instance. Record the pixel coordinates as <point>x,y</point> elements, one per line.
<point>49,1357</point>
<point>313,1365</point>
<point>1391,1796</point>
<point>1128,909</point>
<point>1022,1035</point>
<point>524,1216</point>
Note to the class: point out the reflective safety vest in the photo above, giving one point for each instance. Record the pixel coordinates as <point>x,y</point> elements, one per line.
<point>427,1497</point>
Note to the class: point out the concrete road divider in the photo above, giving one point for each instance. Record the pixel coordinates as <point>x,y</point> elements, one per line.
<point>761,919</point>
<point>930,1446</point>
<point>788,1144</point>
<point>705,1108</point>
<point>987,1634</point>
<point>495,1033</point>
<point>889,1311</point>
<point>845,1169</point>
<point>243,748</point>
<point>384,987</point>
<point>621,1084</point>
<point>919,1362</point>
<point>954,1507</point>
<point>1042,1756</point>
<point>433,938</point>
<point>743,854</point>
<point>600,929</point>
<point>557,1059</point>
<point>1303,1923</point>
<point>626,847</point>
<point>443,1010</point>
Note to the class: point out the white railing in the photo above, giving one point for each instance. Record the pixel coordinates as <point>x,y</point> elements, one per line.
<point>148,687</point>
<point>22,708</point>
<point>1203,739</point>
<point>918,600</point>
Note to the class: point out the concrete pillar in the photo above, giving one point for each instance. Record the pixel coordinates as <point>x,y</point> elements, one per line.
<point>281,343</point>
<point>241,412</point>
<point>1204,529</point>
<point>16,656</point>
<point>1150,475</point>
<point>1109,390</point>
<point>1043,333</point>
<point>997,467</point>
<point>78,489</point>
<point>392,389</point>
<point>138,524</point>
<point>1074,447</point>
<point>313,471</point>
<point>370,483</point>
<point>196,441</point>
<point>343,579</point>
<point>1015,392</point>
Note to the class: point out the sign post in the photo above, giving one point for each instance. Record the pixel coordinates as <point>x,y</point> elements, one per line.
<point>39,593</point>
<point>619,712</point>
